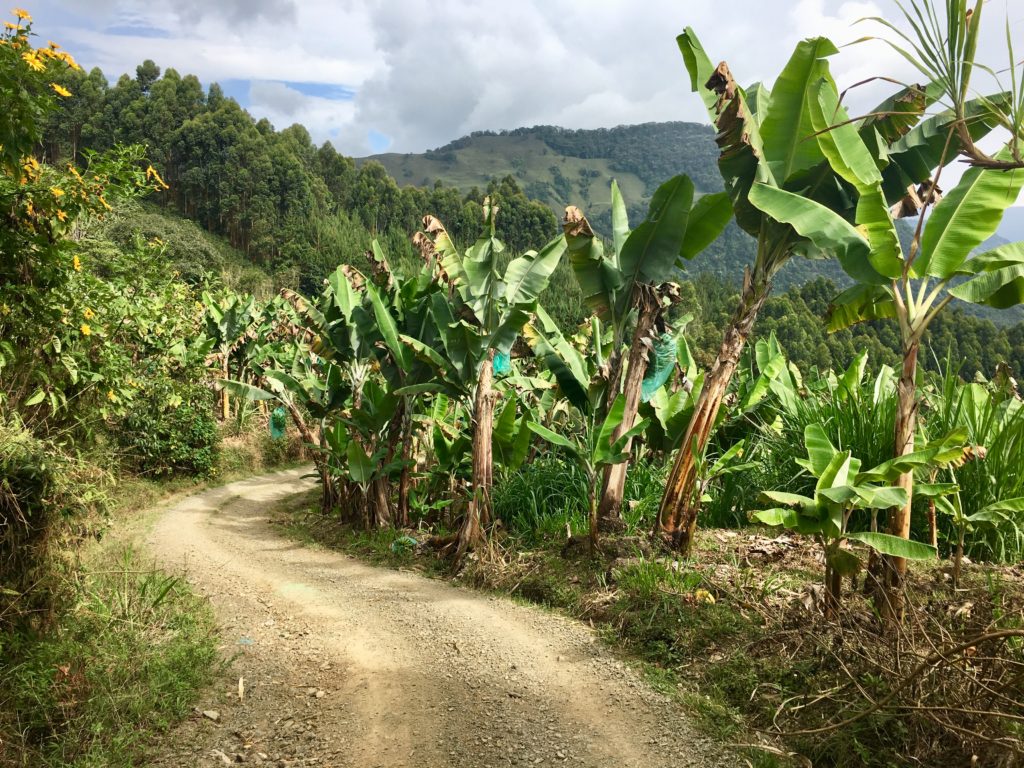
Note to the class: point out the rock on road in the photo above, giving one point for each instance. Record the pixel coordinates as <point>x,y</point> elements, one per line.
<point>344,664</point>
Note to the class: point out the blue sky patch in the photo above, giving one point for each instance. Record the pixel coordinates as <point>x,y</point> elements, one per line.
<point>321,90</point>
<point>379,142</point>
<point>237,89</point>
<point>137,30</point>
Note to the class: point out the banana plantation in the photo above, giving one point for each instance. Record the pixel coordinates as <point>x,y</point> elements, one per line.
<point>417,391</point>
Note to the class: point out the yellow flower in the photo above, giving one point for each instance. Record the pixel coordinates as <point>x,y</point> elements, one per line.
<point>8,25</point>
<point>152,174</point>
<point>703,596</point>
<point>61,215</point>
<point>21,14</point>
<point>52,44</point>
<point>88,314</point>
<point>77,264</point>
<point>67,59</point>
<point>4,310</point>
<point>105,203</point>
<point>57,191</point>
<point>111,396</point>
<point>85,329</point>
<point>60,90</point>
<point>32,59</point>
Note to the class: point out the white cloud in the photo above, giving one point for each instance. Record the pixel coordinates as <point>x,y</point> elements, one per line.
<point>428,71</point>
<point>283,106</point>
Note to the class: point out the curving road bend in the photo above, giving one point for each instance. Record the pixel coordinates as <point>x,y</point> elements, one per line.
<point>344,664</point>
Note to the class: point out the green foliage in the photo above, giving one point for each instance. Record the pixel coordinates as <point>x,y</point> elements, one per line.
<point>994,421</point>
<point>856,411</point>
<point>170,429</point>
<point>291,207</point>
<point>194,254</point>
<point>540,500</point>
<point>40,488</point>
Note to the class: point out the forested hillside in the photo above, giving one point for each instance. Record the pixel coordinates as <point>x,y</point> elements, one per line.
<point>295,210</point>
<point>288,205</point>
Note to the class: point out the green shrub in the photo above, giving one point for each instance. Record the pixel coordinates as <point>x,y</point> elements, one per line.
<point>538,501</point>
<point>170,429</point>
<point>645,484</point>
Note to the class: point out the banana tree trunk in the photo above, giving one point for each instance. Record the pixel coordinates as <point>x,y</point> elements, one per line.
<point>225,408</point>
<point>933,525</point>
<point>478,513</point>
<point>380,504</point>
<point>958,556</point>
<point>329,496</point>
<point>592,519</point>
<point>609,510</point>
<point>894,569</point>
<point>405,479</point>
<point>833,592</point>
<point>677,517</point>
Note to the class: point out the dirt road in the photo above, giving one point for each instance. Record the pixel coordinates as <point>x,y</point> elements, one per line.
<point>343,664</point>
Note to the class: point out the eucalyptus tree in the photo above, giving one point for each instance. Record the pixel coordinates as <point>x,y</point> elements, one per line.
<point>629,287</point>
<point>775,160</point>
<point>480,320</point>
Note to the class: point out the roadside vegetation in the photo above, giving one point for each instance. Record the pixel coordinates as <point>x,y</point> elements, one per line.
<point>105,408</point>
<point>558,415</point>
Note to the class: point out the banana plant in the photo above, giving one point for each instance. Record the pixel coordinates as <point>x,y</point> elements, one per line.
<point>483,316</point>
<point>227,322</point>
<point>593,448</point>
<point>395,307</point>
<point>630,286</point>
<point>362,452</point>
<point>783,161</point>
<point>914,288</point>
<point>786,196</point>
<point>842,488</point>
<point>946,52</point>
<point>1001,513</point>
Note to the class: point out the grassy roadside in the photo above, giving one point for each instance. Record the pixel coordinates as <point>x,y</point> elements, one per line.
<point>736,636</point>
<point>132,646</point>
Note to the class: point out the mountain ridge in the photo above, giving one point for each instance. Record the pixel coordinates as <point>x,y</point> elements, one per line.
<point>560,166</point>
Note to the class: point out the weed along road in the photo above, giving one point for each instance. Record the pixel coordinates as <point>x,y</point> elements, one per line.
<point>342,664</point>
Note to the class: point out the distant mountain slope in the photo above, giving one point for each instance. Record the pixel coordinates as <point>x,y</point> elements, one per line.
<point>560,167</point>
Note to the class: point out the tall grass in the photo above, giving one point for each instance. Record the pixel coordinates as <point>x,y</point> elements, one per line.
<point>857,413</point>
<point>548,497</point>
<point>993,416</point>
<point>124,663</point>
<point>539,500</point>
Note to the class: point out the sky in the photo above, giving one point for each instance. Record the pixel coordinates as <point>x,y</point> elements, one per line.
<point>411,75</point>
